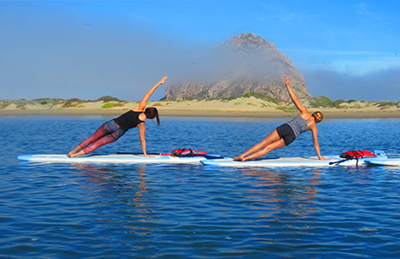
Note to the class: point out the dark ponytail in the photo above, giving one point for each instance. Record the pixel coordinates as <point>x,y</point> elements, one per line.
<point>152,113</point>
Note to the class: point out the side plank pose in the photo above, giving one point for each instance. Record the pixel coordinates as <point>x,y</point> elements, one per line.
<point>112,130</point>
<point>288,132</point>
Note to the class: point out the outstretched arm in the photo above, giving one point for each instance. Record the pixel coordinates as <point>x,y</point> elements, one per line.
<point>296,102</point>
<point>144,100</point>
<point>142,129</point>
<point>314,132</point>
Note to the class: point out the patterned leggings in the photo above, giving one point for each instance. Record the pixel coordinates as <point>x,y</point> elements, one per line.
<point>107,133</point>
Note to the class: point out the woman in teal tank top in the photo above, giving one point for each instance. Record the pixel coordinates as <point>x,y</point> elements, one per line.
<point>288,132</point>
<point>114,129</point>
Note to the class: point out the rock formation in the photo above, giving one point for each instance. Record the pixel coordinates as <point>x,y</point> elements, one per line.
<point>246,63</point>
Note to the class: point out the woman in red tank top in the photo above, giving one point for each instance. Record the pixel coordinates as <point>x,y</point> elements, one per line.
<point>112,130</point>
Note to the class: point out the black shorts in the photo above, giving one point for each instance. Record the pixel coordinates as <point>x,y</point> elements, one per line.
<point>286,132</point>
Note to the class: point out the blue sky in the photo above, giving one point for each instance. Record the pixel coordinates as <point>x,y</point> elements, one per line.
<point>87,49</point>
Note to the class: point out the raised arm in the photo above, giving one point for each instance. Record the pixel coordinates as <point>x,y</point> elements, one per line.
<point>296,102</point>
<point>146,97</point>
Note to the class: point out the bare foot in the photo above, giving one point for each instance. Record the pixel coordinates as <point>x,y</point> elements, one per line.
<point>73,155</point>
<point>80,153</point>
<point>325,158</point>
<point>238,158</point>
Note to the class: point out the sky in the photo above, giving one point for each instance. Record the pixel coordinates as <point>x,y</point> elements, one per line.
<point>87,49</point>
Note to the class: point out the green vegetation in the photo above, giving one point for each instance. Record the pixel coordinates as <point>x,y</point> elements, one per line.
<point>252,104</point>
<point>321,101</point>
<point>386,104</point>
<point>107,99</point>
<point>228,99</point>
<point>111,105</point>
<point>261,96</point>
<point>21,103</point>
<point>225,100</point>
<point>290,109</point>
<point>4,104</point>
<point>185,100</point>
<point>337,103</point>
<point>72,103</point>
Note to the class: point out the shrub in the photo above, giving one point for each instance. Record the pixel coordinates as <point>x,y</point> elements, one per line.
<point>71,103</point>
<point>111,105</point>
<point>4,104</point>
<point>385,103</point>
<point>225,100</point>
<point>290,109</point>
<point>338,102</point>
<point>321,101</point>
<point>107,99</point>
<point>261,96</point>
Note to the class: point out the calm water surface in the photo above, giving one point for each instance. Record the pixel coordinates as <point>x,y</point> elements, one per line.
<point>194,211</point>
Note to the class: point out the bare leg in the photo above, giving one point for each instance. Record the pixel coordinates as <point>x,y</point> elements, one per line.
<point>272,137</point>
<point>275,145</point>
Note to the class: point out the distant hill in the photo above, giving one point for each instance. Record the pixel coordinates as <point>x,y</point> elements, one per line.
<point>244,64</point>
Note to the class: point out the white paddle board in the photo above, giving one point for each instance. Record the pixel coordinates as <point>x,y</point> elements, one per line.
<point>114,159</point>
<point>287,162</point>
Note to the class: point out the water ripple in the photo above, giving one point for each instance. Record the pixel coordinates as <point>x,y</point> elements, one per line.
<point>191,211</point>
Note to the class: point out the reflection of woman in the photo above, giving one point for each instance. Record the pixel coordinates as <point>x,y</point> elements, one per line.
<point>112,130</point>
<point>288,132</point>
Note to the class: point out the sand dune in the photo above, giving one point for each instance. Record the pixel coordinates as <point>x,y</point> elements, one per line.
<point>240,107</point>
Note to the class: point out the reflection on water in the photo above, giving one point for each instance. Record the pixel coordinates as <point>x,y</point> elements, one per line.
<point>193,211</point>
<point>128,188</point>
<point>283,192</point>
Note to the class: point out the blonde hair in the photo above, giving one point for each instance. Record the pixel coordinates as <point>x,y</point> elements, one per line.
<point>318,117</point>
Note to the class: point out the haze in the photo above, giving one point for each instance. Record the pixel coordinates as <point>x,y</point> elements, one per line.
<point>345,49</point>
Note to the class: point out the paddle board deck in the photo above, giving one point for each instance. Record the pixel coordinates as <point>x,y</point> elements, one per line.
<point>115,159</point>
<point>287,162</point>
<point>386,162</point>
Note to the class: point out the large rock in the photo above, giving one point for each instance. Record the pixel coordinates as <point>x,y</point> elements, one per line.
<point>246,63</point>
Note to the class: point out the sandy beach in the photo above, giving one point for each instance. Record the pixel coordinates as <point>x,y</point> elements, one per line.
<point>240,107</point>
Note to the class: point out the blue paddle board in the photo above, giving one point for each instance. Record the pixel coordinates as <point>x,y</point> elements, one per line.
<point>115,159</point>
<point>385,162</point>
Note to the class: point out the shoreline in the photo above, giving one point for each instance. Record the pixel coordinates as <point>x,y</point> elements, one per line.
<point>240,107</point>
<point>348,113</point>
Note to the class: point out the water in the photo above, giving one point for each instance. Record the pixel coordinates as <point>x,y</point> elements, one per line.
<point>193,211</point>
